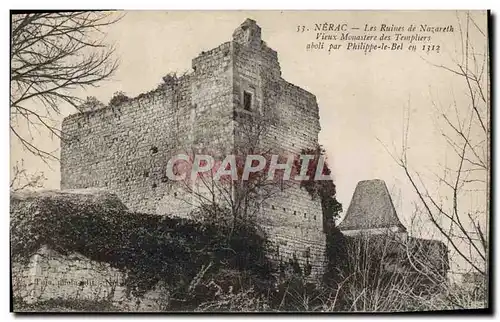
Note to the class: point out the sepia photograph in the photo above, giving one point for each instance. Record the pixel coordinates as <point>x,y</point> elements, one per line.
<point>327,161</point>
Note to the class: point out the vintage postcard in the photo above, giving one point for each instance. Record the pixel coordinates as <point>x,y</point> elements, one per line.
<point>250,161</point>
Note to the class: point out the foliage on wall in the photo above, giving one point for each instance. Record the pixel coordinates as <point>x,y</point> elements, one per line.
<point>325,190</point>
<point>149,248</point>
<point>118,99</point>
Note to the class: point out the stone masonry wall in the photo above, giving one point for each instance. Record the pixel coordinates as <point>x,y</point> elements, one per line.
<point>50,275</point>
<point>292,219</point>
<point>125,149</point>
<point>298,220</point>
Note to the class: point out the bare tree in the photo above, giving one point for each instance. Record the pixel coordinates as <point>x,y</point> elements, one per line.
<point>20,178</point>
<point>390,272</point>
<point>465,129</point>
<point>52,54</point>
<point>227,199</point>
<point>430,260</point>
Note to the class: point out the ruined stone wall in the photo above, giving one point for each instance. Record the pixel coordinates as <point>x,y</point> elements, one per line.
<point>292,219</point>
<point>125,149</point>
<point>211,98</point>
<point>297,219</point>
<point>50,275</point>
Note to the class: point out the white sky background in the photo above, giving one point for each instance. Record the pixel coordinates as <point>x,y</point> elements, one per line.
<point>361,97</point>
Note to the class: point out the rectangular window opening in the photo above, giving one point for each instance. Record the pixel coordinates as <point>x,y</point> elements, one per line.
<point>247,100</point>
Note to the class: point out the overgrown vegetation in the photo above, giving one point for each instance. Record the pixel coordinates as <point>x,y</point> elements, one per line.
<point>118,99</point>
<point>212,266</point>
<point>149,248</point>
<point>325,190</point>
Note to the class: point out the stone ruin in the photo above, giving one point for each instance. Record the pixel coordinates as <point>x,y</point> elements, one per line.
<point>125,148</point>
<point>372,219</point>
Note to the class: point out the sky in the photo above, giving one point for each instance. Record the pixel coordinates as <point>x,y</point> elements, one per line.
<point>362,97</point>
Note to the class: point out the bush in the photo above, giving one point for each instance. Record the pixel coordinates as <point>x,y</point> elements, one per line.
<point>211,266</point>
<point>149,248</point>
<point>118,99</point>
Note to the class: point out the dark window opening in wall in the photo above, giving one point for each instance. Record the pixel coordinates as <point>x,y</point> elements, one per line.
<point>284,209</point>
<point>247,100</point>
<point>272,207</point>
<point>154,185</point>
<point>154,149</point>
<point>304,215</point>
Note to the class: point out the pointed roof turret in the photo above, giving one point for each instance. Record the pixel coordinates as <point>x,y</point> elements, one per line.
<point>371,207</point>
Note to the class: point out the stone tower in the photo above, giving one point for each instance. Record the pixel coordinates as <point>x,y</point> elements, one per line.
<point>125,148</point>
<point>371,210</point>
<point>372,221</point>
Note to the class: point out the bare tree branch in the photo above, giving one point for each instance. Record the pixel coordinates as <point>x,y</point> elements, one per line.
<point>52,54</point>
<point>465,133</point>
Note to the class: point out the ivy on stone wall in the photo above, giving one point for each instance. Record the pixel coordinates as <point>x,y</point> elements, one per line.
<point>325,190</point>
<point>149,248</point>
<point>118,99</point>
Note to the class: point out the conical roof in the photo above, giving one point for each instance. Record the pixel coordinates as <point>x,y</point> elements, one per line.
<point>371,207</point>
